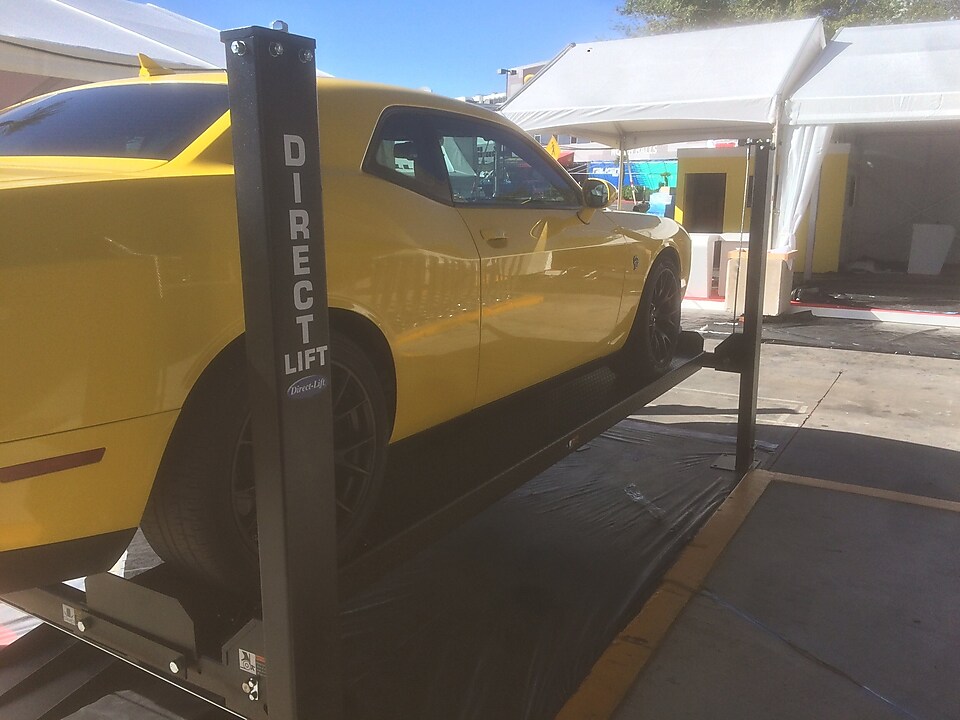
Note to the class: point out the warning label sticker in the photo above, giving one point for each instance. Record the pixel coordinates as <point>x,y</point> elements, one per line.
<point>253,663</point>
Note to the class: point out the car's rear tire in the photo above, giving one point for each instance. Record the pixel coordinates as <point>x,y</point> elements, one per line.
<point>652,343</point>
<point>201,516</point>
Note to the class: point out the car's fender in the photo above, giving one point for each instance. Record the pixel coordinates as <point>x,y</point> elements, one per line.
<point>651,235</point>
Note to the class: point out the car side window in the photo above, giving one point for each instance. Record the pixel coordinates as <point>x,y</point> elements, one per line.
<point>405,152</point>
<point>489,165</point>
<point>153,121</point>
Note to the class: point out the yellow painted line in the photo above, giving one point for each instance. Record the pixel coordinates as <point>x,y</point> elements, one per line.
<point>617,669</point>
<point>909,499</point>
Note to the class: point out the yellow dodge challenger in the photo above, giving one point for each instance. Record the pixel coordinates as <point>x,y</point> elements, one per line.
<point>463,265</point>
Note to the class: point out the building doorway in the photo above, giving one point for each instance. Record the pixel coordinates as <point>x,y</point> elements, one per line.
<point>705,195</point>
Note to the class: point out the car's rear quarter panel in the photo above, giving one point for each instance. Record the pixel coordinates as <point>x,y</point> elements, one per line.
<point>118,294</point>
<point>94,499</point>
<point>115,295</point>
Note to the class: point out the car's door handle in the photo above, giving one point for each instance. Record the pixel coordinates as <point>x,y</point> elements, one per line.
<point>494,238</point>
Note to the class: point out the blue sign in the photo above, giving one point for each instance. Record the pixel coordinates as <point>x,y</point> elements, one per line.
<point>650,174</point>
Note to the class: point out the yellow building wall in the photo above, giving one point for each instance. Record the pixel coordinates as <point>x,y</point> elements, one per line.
<point>732,163</point>
<point>831,204</point>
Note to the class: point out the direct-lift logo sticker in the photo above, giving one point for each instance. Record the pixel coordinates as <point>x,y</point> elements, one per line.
<point>307,387</point>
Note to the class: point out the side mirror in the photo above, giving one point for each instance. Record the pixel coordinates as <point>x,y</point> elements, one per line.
<point>598,193</point>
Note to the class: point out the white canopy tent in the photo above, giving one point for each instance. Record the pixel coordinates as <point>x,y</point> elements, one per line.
<point>100,39</point>
<point>868,76</point>
<point>50,44</point>
<point>708,84</point>
<point>728,83</point>
<point>883,74</point>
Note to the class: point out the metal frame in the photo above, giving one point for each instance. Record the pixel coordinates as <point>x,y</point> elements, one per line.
<point>753,308</point>
<point>740,352</point>
<point>273,105</point>
<point>273,100</point>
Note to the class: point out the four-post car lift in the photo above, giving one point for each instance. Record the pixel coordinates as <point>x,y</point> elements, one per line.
<point>280,660</point>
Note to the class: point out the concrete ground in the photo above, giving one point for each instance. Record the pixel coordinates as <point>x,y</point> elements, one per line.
<point>836,598</point>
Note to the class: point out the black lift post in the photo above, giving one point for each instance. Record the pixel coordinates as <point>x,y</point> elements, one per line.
<point>273,107</point>
<point>753,309</point>
<point>740,351</point>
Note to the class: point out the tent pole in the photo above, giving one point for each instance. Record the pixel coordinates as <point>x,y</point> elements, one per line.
<point>811,231</point>
<point>772,210</point>
<point>620,177</point>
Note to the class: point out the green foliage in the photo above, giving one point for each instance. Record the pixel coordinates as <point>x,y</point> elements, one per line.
<point>636,192</point>
<point>649,17</point>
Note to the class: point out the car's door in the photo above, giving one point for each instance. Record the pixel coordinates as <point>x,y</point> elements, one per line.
<point>411,262</point>
<point>550,283</point>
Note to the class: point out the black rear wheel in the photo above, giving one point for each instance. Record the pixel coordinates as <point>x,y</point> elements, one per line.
<point>357,434</point>
<point>202,513</point>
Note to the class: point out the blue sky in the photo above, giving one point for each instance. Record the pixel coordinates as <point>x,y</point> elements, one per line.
<point>454,48</point>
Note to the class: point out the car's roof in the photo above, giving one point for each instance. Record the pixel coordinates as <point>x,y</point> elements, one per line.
<point>348,109</point>
<point>326,86</point>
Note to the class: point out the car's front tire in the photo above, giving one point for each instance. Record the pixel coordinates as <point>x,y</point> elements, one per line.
<point>201,516</point>
<point>652,343</point>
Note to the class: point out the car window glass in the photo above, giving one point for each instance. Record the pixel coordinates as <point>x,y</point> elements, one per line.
<point>405,152</point>
<point>488,165</point>
<point>147,121</point>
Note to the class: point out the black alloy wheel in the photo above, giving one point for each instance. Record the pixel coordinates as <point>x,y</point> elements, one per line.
<point>356,462</point>
<point>663,322</point>
<point>655,334</point>
<point>202,516</point>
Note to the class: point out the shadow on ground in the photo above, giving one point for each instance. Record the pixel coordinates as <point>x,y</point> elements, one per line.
<point>855,459</point>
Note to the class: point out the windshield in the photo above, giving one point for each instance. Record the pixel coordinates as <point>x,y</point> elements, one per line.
<point>148,121</point>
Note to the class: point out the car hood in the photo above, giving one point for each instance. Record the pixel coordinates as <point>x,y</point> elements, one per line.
<point>34,171</point>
